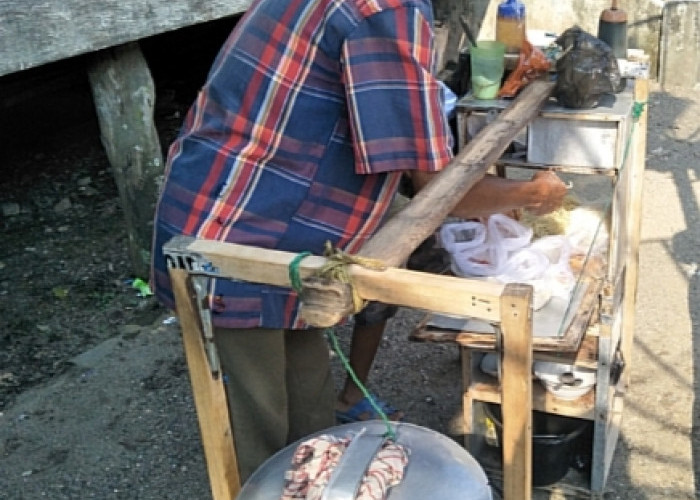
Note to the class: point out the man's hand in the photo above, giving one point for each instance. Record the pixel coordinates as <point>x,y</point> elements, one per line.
<point>548,193</point>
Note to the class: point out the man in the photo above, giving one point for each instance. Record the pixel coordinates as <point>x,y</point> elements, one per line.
<point>310,115</point>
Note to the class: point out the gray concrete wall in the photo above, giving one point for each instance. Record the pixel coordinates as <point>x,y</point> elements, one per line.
<point>679,52</point>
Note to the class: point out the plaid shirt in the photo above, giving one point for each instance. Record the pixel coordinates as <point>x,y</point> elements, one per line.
<point>311,111</point>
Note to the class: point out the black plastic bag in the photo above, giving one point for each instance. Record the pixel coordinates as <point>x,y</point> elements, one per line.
<point>586,70</point>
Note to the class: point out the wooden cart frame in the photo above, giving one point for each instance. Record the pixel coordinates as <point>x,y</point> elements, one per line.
<point>509,307</point>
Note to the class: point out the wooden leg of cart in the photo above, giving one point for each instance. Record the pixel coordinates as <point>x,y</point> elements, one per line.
<point>641,95</point>
<point>516,391</point>
<point>209,395</point>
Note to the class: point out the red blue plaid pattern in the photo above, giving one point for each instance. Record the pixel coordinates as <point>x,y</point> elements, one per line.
<point>311,111</point>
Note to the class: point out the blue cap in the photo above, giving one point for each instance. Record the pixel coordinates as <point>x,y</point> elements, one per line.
<point>514,9</point>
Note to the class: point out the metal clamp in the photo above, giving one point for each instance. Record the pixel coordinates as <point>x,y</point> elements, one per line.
<point>201,270</point>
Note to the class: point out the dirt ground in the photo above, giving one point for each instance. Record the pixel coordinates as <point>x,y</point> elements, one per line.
<point>95,399</point>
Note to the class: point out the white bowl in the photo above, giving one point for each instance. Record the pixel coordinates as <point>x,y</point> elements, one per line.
<point>565,381</point>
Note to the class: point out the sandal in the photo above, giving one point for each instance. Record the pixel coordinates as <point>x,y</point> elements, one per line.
<point>363,410</point>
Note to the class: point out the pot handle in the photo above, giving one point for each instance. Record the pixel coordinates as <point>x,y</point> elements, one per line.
<point>345,480</point>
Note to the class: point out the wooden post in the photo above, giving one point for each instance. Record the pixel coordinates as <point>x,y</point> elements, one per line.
<point>516,397</point>
<point>124,97</point>
<point>633,225</point>
<point>209,395</point>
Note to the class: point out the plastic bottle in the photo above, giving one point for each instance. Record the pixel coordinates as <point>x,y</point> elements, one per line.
<point>510,25</point>
<point>612,29</point>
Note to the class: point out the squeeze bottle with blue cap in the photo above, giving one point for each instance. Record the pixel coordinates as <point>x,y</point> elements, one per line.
<point>510,25</point>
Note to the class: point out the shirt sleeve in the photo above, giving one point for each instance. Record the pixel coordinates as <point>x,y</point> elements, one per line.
<point>394,100</point>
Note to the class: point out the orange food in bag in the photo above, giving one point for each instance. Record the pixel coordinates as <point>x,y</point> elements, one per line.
<point>532,63</point>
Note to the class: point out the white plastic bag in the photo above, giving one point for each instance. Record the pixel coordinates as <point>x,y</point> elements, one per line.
<point>508,233</point>
<point>484,260</point>
<point>558,277</point>
<point>469,250</point>
<point>523,266</point>
<point>502,249</point>
<point>478,249</point>
<point>587,232</point>
<point>459,236</point>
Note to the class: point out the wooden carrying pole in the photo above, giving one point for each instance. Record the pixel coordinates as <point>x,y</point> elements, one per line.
<point>326,304</point>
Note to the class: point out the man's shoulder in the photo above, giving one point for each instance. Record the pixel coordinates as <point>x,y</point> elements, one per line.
<point>370,7</point>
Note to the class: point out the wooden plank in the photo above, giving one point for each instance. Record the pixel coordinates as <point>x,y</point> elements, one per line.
<point>34,33</point>
<point>565,344</point>
<point>124,96</point>
<point>516,383</point>
<point>634,222</point>
<point>393,286</point>
<point>209,396</point>
<point>585,356</point>
<point>400,236</point>
<point>542,400</point>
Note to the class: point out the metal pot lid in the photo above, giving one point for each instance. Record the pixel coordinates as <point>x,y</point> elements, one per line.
<point>437,466</point>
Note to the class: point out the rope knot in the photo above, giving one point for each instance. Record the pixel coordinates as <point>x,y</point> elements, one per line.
<point>336,268</point>
<point>637,110</point>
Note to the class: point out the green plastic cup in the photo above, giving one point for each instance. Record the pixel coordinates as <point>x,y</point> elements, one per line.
<point>487,64</point>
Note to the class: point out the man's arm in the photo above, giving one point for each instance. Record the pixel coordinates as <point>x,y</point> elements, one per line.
<point>543,193</point>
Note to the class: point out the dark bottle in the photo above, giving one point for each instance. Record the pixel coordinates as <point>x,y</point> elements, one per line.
<point>612,29</point>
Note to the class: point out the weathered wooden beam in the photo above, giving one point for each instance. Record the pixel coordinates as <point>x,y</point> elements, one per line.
<point>124,96</point>
<point>446,294</point>
<point>516,391</point>
<point>35,33</point>
<point>401,235</point>
<point>209,395</point>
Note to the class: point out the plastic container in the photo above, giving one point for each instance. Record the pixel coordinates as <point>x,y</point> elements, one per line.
<point>612,29</point>
<point>511,25</point>
<point>487,66</point>
<point>555,443</point>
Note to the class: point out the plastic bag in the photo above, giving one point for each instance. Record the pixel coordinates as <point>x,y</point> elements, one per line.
<point>471,252</point>
<point>459,236</point>
<point>558,277</point>
<point>532,63</point>
<point>523,266</point>
<point>587,232</point>
<point>484,260</point>
<point>508,233</point>
<point>478,249</point>
<point>586,70</point>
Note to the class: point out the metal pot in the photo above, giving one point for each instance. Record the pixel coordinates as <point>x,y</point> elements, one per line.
<point>437,466</point>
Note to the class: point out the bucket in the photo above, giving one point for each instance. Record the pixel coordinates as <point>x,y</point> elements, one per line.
<point>555,445</point>
<point>487,66</point>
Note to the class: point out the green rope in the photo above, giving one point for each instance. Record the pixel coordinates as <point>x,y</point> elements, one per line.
<point>637,110</point>
<point>294,276</point>
<point>295,279</point>
<point>332,337</point>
